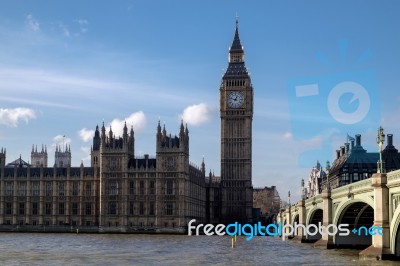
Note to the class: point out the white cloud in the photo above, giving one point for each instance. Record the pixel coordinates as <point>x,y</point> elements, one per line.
<point>61,140</point>
<point>137,120</point>
<point>197,114</point>
<point>83,25</point>
<point>33,24</point>
<point>11,117</point>
<point>287,135</point>
<point>64,29</point>
<point>87,151</point>
<point>82,21</point>
<point>86,134</point>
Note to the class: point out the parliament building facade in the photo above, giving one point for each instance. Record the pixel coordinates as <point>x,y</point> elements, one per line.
<point>121,192</point>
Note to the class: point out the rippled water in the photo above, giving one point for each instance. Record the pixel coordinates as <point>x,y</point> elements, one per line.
<point>108,249</point>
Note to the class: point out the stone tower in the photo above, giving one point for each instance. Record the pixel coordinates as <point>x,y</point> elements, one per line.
<point>172,156</point>
<point>2,158</point>
<point>63,158</point>
<point>115,154</point>
<point>39,159</point>
<point>236,110</point>
<point>95,152</point>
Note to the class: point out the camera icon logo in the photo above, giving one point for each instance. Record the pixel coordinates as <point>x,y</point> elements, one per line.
<point>331,106</point>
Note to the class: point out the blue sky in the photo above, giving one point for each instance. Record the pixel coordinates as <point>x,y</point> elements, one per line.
<point>65,66</point>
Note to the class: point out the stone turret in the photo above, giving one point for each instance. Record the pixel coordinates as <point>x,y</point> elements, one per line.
<point>39,159</point>
<point>2,158</point>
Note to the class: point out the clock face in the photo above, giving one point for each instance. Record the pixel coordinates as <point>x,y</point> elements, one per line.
<point>235,99</point>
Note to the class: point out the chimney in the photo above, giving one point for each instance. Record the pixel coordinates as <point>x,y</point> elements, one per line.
<point>347,147</point>
<point>390,139</point>
<point>337,154</point>
<point>358,140</point>
<point>342,150</point>
<point>352,144</point>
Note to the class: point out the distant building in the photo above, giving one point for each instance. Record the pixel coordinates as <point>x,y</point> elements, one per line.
<point>17,163</point>
<point>353,163</point>
<point>314,187</point>
<point>120,192</point>
<point>267,200</point>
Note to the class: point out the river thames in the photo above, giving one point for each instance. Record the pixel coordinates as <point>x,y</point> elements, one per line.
<point>119,249</point>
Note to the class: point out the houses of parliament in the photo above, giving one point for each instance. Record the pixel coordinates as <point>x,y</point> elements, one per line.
<point>121,192</point>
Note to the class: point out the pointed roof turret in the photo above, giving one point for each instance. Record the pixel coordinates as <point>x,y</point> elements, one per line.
<point>97,132</point>
<point>182,129</point>
<point>236,67</point>
<point>236,45</point>
<point>159,127</point>
<point>110,133</point>
<point>125,129</point>
<point>132,132</point>
<point>164,131</point>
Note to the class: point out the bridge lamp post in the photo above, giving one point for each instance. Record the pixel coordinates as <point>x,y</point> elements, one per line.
<point>380,139</point>
<point>303,192</point>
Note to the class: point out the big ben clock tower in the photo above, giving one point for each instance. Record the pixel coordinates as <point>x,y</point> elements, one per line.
<point>236,109</point>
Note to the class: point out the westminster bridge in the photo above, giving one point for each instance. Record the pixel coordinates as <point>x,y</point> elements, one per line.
<point>371,202</point>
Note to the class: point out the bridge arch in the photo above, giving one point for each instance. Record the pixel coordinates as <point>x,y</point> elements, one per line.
<point>356,213</point>
<point>395,232</point>
<point>315,216</point>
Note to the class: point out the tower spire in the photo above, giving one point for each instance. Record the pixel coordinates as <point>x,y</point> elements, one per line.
<point>236,45</point>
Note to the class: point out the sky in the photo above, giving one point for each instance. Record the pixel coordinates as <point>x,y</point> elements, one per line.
<point>67,66</point>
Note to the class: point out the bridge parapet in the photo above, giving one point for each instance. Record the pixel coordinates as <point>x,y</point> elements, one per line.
<point>393,178</point>
<point>359,187</point>
<point>313,200</point>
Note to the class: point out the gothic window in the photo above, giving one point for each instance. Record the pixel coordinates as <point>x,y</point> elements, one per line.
<point>131,208</point>
<point>74,208</point>
<point>35,188</point>
<point>169,187</point>
<point>8,209</point>
<point>132,188</point>
<point>48,208</point>
<point>88,208</point>
<point>169,208</point>
<point>21,208</point>
<point>61,189</point>
<point>151,211</point>
<point>61,208</point>
<point>112,208</point>
<point>49,189</point>
<point>141,187</point>
<point>22,189</point>
<point>113,187</point>
<point>9,188</point>
<point>141,208</point>
<point>75,188</point>
<point>88,189</point>
<point>34,208</point>
<point>113,164</point>
<point>152,187</point>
